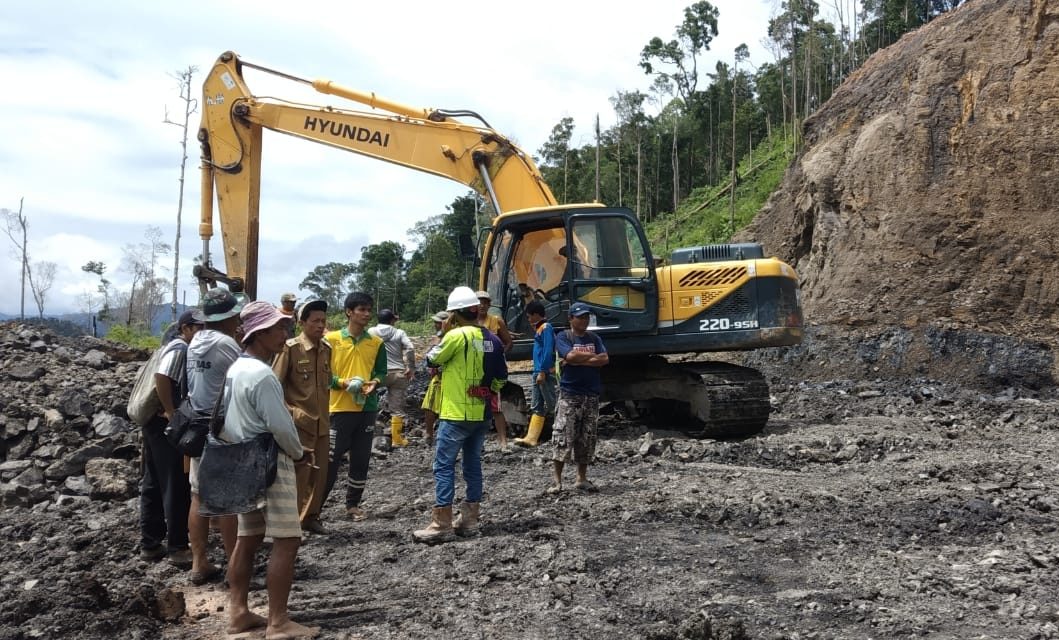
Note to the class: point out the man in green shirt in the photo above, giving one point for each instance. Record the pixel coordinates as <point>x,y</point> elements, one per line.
<point>358,365</point>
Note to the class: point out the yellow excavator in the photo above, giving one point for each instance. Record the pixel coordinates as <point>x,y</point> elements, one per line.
<point>699,299</point>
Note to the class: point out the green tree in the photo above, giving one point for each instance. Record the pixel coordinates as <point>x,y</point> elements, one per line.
<point>434,268</point>
<point>629,132</point>
<point>675,63</point>
<point>330,282</point>
<point>885,21</point>
<point>103,289</point>
<point>379,273</point>
<point>555,158</point>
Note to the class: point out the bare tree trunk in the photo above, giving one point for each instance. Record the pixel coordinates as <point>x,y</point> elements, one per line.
<point>128,307</point>
<point>711,164</point>
<point>794,86</point>
<point>655,204</point>
<point>676,169</point>
<point>731,204</point>
<point>41,284</point>
<point>853,38</point>
<point>25,262</point>
<point>190,106</point>
<point>566,173</point>
<point>639,171</point>
<point>597,158</point>
<point>620,202</point>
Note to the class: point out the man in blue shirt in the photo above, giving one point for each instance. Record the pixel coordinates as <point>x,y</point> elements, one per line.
<point>542,398</point>
<point>574,433</point>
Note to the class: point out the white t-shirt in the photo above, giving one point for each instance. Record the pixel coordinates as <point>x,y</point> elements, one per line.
<point>253,398</point>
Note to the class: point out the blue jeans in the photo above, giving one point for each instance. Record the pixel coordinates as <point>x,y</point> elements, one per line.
<point>543,396</point>
<point>451,438</point>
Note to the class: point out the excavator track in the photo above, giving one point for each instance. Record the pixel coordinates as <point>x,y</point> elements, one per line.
<point>712,399</point>
<point>707,399</point>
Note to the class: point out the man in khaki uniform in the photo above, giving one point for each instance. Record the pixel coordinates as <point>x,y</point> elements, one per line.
<point>304,370</point>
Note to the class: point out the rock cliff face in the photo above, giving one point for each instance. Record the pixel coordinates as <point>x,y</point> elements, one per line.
<point>925,196</point>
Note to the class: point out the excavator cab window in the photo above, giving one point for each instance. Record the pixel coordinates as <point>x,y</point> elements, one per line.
<point>596,257</point>
<point>610,268</point>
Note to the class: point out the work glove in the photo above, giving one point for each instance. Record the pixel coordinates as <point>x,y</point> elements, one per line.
<point>354,386</point>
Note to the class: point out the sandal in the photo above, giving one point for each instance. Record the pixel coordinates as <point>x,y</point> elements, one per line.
<point>554,489</point>
<point>199,578</point>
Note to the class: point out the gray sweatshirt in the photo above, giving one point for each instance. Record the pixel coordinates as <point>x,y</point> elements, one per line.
<point>400,353</point>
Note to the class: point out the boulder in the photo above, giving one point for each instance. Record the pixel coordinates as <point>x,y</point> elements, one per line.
<point>26,373</point>
<point>107,424</point>
<point>73,403</point>
<point>110,478</point>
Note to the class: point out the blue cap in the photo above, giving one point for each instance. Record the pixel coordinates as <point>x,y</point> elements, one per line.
<point>579,309</point>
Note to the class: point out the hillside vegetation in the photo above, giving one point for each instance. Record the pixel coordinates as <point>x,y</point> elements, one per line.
<point>706,215</point>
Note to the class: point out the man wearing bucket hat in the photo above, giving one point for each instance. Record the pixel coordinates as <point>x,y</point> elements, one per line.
<point>304,369</point>
<point>210,353</point>
<point>254,405</point>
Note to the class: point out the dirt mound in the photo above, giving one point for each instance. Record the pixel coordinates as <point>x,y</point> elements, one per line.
<point>68,483</point>
<point>925,194</point>
<point>865,509</point>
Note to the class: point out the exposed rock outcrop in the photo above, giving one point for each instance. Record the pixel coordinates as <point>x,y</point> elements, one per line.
<point>925,196</point>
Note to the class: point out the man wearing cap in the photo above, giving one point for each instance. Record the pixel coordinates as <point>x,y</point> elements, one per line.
<point>400,368</point>
<point>358,365</point>
<point>303,367</point>
<point>254,405</point>
<point>496,325</point>
<point>165,497</point>
<point>574,433</point>
<point>287,301</point>
<point>210,353</point>
<point>472,363</point>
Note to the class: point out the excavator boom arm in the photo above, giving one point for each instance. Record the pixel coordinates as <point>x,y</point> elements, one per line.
<point>422,139</point>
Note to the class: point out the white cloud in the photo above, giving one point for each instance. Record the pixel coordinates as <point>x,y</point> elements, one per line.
<point>87,86</point>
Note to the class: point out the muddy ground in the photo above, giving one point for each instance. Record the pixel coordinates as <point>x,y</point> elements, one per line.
<point>864,510</point>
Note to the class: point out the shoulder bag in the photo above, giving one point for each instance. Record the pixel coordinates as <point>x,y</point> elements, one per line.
<point>187,429</point>
<point>234,476</point>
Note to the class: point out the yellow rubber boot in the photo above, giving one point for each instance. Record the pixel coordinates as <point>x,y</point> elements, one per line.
<point>397,438</point>
<point>536,425</point>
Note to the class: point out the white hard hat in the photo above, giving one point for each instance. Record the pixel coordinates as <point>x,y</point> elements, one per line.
<point>462,298</point>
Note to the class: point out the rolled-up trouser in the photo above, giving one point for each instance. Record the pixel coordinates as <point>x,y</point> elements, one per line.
<point>574,431</point>
<point>452,438</point>
<point>396,392</point>
<point>351,431</point>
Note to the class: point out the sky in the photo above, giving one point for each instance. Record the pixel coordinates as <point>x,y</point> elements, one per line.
<point>84,145</point>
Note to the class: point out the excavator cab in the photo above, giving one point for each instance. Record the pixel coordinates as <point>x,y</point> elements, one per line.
<point>594,255</point>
